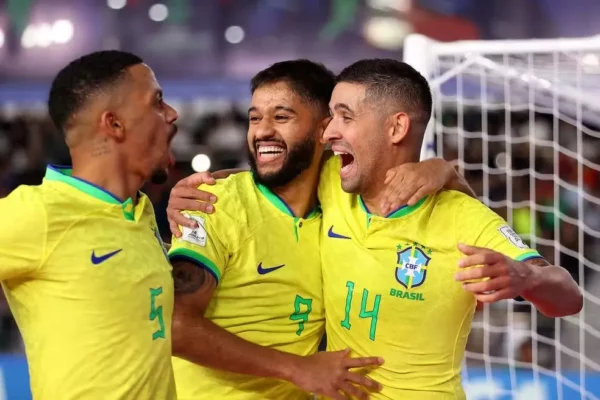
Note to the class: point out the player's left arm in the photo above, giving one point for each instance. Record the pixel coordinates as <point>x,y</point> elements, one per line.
<point>507,268</point>
<point>410,182</point>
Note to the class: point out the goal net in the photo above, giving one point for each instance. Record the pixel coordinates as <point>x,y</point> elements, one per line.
<point>522,117</point>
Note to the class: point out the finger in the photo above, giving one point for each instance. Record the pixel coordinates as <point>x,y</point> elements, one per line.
<point>363,381</point>
<point>493,297</point>
<point>470,250</point>
<point>192,194</point>
<point>389,175</point>
<point>174,229</point>
<point>179,219</point>
<point>362,362</point>
<point>489,258</point>
<point>179,205</point>
<point>397,195</point>
<point>353,391</point>
<point>491,285</point>
<point>479,273</point>
<point>421,193</point>
<point>195,180</point>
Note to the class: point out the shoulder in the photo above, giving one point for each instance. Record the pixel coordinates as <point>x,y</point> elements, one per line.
<point>329,179</point>
<point>24,213</point>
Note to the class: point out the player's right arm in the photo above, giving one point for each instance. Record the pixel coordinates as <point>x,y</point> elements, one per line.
<point>23,235</point>
<point>199,259</point>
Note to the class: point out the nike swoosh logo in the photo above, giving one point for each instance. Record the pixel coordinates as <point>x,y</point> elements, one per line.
<point>264,271</point>
<point>334,235</point>
<point>99,260</point>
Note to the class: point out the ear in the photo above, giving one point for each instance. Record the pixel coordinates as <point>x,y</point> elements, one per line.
<point>322,127</point>
<point>111,126</point>
<point>400,127</point>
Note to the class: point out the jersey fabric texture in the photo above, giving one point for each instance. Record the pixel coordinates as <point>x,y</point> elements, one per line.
<point>267,264</point>
<point>389,284</point>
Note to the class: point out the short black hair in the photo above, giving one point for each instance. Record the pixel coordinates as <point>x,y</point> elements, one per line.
<point>82,79</point>
<point>308,79</point>
<point>391,80</point>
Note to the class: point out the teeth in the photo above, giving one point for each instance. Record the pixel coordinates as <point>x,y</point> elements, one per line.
<point>270,149</point>
<point>338,153</point>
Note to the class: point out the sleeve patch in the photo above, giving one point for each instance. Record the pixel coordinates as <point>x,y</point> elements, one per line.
<point>512,236</point>
<point>196,236</point>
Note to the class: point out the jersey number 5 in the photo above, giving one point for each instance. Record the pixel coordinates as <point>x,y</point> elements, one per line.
<point>157,313</point>
<point>363,309</point>
<point>302,307</point>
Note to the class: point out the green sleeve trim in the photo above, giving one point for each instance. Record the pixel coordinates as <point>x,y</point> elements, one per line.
<point>197,258</point>
<point>528,255</point>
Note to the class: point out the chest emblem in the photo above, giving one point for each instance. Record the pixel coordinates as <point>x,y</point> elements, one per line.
<point>411,264</point>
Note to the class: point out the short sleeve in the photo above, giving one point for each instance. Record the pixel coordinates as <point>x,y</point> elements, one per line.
<point>207,246</point>
<point>479,226</point>
<point>23,234</point>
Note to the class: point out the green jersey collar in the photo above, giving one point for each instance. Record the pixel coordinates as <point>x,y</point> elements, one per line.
<point>281,205</point>
<point>397,213</point>
<point>64,174</point>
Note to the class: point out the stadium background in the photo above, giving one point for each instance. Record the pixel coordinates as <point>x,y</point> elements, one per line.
<point>204,53</point>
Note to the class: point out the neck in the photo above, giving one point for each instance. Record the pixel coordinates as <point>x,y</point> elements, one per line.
<point>374,193</point>
<point>301,193</point>
<point>108,174</point>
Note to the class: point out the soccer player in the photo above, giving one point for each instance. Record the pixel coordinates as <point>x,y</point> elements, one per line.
<point>248,292</point>
<point>398,283</point>
<point>264,256</point>
<point>81,261</point>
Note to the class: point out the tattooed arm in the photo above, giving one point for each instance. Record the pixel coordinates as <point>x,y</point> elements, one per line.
<point>201,341</point>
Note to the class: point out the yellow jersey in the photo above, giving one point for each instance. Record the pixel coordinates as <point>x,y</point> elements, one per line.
<point>90,286</point>
<point>267,264</point>
<point>389,284</point>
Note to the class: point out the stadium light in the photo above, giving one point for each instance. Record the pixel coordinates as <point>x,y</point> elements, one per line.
<point>158,12</point>
<point>2,38</point>
<point>29,38</point>
<point>62,31</point>
<point>234,34</point>
<point>201,163</point>
<point>116,4</point>
<point>387,32</point>
<point>44,35</point>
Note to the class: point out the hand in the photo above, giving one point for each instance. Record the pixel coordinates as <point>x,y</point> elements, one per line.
<point>185,196</point>
<point>410,182</point>
<point>328,374</point>
<point>504,277</point>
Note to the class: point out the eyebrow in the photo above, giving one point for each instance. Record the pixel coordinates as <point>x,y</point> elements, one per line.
<point>342,106</point>
<point>277,108</point>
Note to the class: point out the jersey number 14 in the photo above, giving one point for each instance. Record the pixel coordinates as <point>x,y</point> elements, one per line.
<point>363,309</point>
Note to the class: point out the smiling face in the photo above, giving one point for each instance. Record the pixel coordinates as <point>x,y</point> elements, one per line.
<point>356,133</point>
<point>282,134</point>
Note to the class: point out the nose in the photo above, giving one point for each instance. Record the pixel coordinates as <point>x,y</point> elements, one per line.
<point>331,133</point>
<point>171,114</point>
<point>264,130</point>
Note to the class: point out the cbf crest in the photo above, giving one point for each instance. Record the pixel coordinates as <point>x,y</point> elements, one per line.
<point>411,268</point>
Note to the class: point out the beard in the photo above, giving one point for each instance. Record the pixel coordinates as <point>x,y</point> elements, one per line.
<point>159,176</point>
<point>297,160</point>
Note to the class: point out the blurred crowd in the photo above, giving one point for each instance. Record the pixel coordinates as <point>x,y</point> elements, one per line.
<point>547,184</point>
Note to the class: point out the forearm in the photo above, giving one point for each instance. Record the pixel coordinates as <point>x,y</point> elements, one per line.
<point>553,291</point>
<point>201,341</point>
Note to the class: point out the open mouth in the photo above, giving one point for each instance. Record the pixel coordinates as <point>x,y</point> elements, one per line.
<point>269,151</point>
<point>347,160</point>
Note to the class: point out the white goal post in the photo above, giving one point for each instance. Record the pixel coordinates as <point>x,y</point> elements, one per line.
<point>522,117</point>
